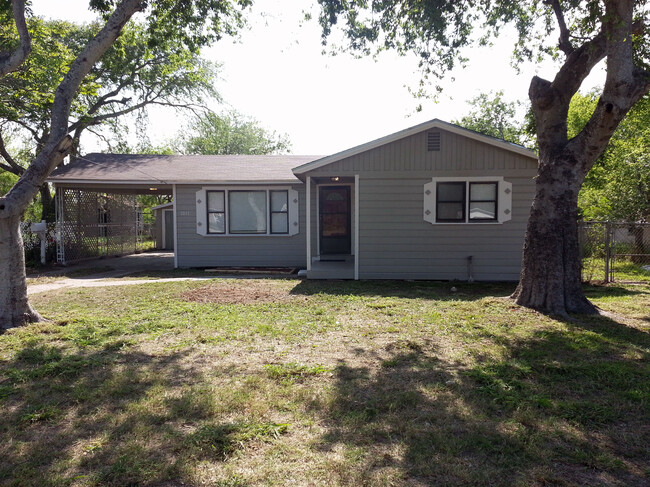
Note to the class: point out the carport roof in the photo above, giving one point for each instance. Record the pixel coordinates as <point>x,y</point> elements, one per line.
<point>127,169</point>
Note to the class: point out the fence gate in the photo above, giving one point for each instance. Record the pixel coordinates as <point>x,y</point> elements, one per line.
<point>615,251</point>
<point>94,224</point>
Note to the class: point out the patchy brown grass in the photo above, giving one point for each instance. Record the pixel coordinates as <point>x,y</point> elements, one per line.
<point>328,384</point>
<point>235,291</point>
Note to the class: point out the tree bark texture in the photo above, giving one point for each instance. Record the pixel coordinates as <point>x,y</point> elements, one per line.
<point>15,309</point>
<point>11,61</point>
<point>551,279</point>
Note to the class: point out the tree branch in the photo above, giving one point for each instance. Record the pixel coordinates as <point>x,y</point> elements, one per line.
<point>11,60</point>
<point>550,100</point>
<point>565,36</point>
<point>26,126</point>
<point>624,86</point>
<point>14,167</point>
<point>7,168</point>
<point>59,143</point>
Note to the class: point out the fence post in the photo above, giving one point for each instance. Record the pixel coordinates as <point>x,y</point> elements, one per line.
<point>607,250</point>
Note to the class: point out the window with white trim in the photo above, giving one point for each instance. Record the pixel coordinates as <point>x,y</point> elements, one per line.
<point>279,212</point>
<point>483,202</point>
<point>450,202</point>
<point>216,211</point>
<point>247,211</point>
<point>468,200</point>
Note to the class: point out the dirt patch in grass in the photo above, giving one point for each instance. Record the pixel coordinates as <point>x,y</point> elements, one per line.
<point>239,292</point>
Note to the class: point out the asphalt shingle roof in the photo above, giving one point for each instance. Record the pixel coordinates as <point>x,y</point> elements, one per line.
<point>168,169</point>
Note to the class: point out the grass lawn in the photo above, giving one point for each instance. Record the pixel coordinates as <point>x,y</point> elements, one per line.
<point>284,382</point>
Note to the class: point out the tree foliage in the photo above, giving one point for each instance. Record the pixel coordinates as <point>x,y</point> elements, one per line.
<point>492,115</point>
<point>231,133</point>
<point>618,186</point>
<point>128,79</point>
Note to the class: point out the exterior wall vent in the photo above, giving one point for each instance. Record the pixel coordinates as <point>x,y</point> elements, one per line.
<point>433,141</point>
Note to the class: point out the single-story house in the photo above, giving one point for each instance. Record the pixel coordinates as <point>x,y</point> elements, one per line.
<point>434,201</point>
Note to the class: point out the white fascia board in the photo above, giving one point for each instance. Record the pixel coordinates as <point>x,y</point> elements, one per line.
<point>61,181</point>
<point>432,124</point>
<point>170,183</point>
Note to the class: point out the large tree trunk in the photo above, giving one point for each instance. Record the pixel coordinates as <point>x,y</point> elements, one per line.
<point>15,309</point>
<point>551,268</point>
<point>14,305</point>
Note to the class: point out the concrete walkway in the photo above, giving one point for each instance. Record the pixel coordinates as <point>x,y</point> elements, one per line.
<point>119,267</point>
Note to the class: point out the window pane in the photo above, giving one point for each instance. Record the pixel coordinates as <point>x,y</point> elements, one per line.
<point>483,192</point>
<point>216,223</point>
<point>215,201</point>
<point>450,211</point>
<point>278,201</point>
<point>279,223</point>
<point>482,211</point>
<point>451,191</point>
<point>247,211</point>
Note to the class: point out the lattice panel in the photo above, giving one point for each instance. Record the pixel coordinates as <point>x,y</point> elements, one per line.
<point>92,224</point>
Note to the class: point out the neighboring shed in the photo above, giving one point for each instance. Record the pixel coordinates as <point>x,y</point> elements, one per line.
<point>434,201</point>
<point>164,226</point>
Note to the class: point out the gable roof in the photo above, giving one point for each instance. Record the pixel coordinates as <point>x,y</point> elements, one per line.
<point>180,169</point>
<point>431,124</point>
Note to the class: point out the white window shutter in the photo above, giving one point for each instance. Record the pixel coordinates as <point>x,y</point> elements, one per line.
<point>505,201</point>
<point>201,213</point>
<point>430,202</point>
<point>294,214</point>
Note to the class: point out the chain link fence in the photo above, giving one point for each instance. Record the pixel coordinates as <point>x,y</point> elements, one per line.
<point>615,251</point>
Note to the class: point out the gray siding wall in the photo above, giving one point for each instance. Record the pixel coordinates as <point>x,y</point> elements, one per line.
<point>195,250</point>
<point>458,156</point>
<point>396,243</point>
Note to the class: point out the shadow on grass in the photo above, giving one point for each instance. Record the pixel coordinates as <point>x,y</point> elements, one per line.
<point>594,291</point>
<point>110,418</point>
<point>561,408</point>
<point>406,289</point>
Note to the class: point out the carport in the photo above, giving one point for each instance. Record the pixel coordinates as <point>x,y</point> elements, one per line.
<point>97,210</point>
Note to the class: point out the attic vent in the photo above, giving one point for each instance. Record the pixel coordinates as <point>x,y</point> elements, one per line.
<point>433,141</point>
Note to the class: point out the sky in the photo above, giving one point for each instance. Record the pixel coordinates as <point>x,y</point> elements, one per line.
<point>276,73</point>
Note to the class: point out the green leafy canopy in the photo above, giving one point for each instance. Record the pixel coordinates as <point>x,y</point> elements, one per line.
<point>438,30</point>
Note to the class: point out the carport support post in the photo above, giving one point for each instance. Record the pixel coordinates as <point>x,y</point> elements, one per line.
<point>356,227</point>
<point>608,243</point>
<point>308,230</point>
<point>175,213</point>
